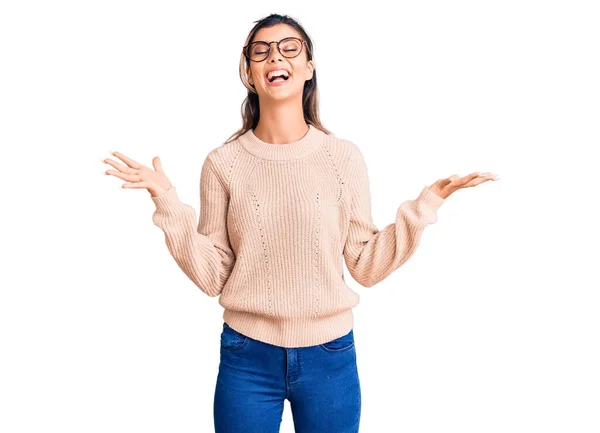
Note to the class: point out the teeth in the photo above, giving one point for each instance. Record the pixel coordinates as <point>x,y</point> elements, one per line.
<point>277,73</point>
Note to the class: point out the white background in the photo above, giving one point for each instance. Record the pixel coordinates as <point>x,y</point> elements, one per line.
<point>492,326</point>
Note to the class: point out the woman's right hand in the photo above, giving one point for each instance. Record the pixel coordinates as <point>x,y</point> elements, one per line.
<point>140,176</point>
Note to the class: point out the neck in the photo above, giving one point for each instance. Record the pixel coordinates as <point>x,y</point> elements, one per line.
<point>281,122</point>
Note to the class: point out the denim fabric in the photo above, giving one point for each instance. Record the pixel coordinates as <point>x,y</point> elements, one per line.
<point>320,382</point>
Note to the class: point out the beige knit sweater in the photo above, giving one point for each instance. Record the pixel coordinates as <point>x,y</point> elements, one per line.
<point>275,222</point>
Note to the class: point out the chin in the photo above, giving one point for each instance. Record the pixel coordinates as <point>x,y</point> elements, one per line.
<point>280,95</point>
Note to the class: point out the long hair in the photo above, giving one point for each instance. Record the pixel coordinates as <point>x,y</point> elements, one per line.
<point>310,96</point>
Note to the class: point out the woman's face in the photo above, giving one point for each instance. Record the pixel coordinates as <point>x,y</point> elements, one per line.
<point>298,68</point>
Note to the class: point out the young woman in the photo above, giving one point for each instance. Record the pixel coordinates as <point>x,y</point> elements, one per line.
<point>282,202</point>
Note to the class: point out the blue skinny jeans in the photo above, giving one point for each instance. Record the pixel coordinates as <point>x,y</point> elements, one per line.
<point>321,383</point>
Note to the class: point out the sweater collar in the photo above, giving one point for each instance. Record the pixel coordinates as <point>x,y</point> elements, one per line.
<point>306,145</point>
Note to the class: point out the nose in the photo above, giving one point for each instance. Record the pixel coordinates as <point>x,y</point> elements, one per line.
<point>274,52</point>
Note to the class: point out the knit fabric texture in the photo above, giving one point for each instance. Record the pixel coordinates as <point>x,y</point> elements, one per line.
<point>275,223</point>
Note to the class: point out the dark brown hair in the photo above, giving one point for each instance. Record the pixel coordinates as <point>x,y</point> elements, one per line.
<point>310,95</point>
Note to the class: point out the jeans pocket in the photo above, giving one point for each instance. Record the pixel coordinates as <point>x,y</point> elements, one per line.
<point>232,340</point>
<point>340,344</point>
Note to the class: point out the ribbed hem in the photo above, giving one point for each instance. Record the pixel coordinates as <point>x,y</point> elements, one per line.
<point>308,144</point>
<point>282,332</point>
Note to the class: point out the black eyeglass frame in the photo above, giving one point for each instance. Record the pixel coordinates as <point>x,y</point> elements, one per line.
<point>268,44</point>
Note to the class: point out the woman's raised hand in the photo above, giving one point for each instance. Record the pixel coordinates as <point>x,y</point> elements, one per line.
<point>138,175</point>
<point>446,186</point>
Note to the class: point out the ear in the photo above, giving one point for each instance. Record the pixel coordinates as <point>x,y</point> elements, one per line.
<point>311,67</point>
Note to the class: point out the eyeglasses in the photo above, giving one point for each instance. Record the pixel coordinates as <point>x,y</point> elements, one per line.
<point>288,47</point>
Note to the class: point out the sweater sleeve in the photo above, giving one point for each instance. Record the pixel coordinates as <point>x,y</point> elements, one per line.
<point>371,254</point>
<point>203,252</point>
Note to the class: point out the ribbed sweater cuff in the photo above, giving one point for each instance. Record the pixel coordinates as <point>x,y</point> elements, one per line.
<point>168,201</point>
<point>430,199</point>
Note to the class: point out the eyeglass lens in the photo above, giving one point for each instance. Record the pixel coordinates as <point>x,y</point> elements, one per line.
<point>288,47</point>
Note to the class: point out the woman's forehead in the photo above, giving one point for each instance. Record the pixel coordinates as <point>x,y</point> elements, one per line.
<point>276,33</point>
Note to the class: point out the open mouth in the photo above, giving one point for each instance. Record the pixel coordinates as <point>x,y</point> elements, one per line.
<point>278,78</point>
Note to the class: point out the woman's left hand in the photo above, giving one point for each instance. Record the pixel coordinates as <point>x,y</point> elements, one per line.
<point>444,187</point>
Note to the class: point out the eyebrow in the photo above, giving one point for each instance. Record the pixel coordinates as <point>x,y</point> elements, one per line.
<point>279,39</point>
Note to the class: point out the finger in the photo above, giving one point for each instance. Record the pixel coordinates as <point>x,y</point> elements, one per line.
<point>491,175</point>
<point>488,176</point>
<point>120,167</point>
<point>157,164</point>
<point>130,162</point>
<point>450,179</point>
<point>128,177</point>
<point>471,176</point>
<point>477,181</point>
<point>135,185</point>
<point>465,179</point>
